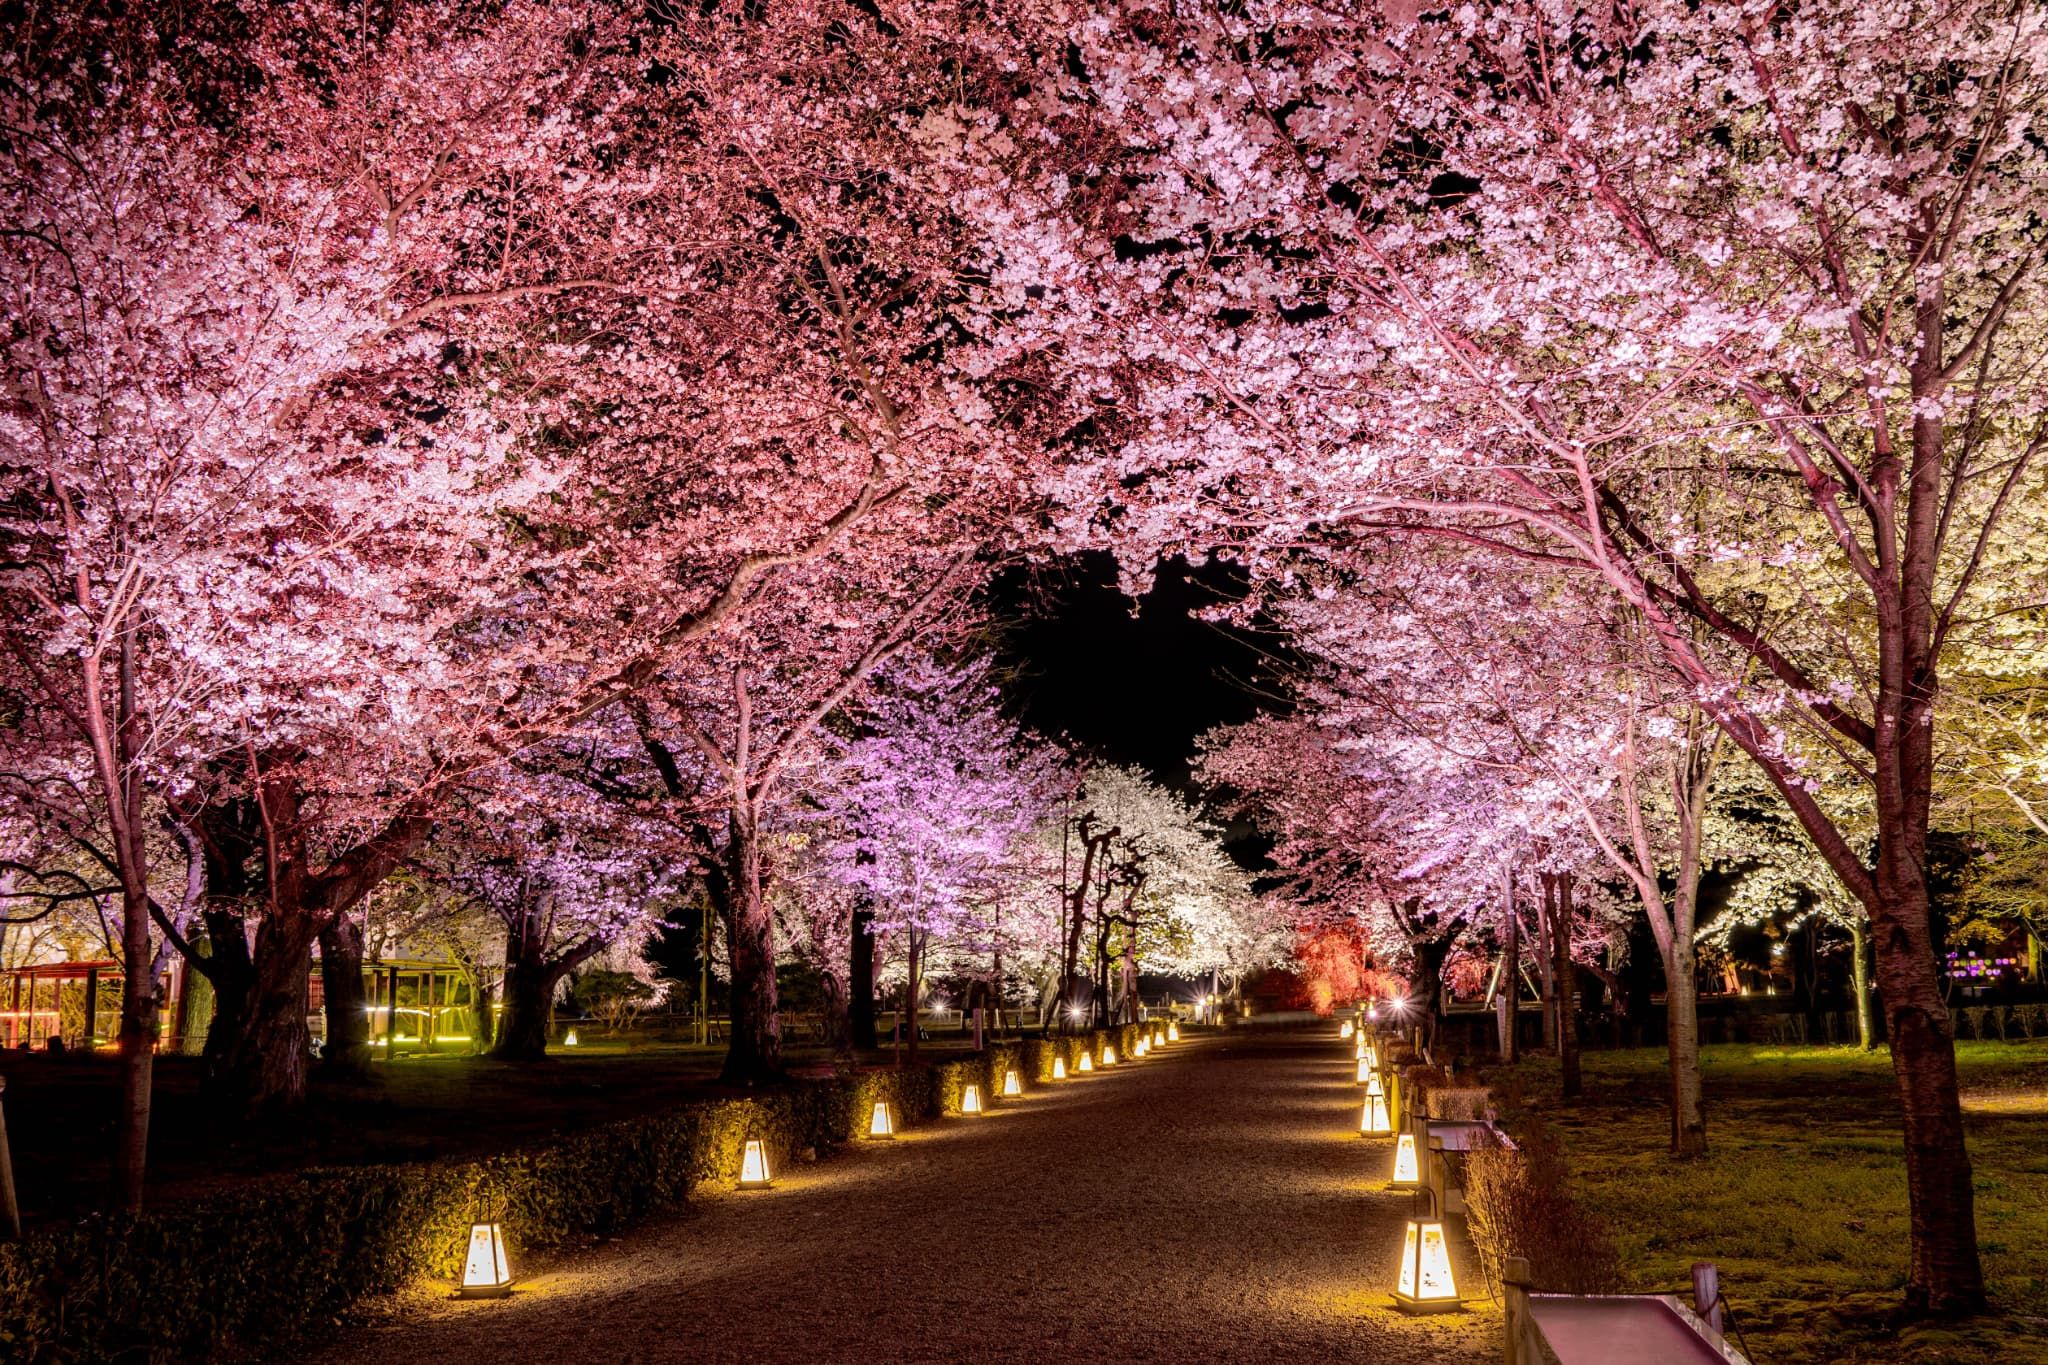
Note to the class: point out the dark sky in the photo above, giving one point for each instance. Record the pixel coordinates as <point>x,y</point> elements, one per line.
<point>1134,689</point>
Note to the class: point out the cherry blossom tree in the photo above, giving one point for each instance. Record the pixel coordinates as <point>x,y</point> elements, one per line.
<point>1729,309</point>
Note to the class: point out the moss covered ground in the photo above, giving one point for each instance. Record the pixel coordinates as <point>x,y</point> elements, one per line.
<point>1802,1198</point>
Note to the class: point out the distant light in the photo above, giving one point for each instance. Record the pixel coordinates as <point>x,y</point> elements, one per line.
<point>754,1174</point>
<point>1059,1068</point>
<point>485,1272</point>
<point>1108,1055</point>
<point>1345,1031</point>
<point>1012,1084</point>
<point>1374,1119</point>
<point>881,1124</point>
<point>569,1038</point>
<point>1085,1063</point>
<point>1173,1032</point>
<point>970,1100</point>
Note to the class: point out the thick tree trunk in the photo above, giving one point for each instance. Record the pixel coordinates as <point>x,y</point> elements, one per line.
<point>265,1064</point>
<point>838,1024</point>
<point>231,972</point>
<point>861,982</point>
<point>754,1053</point>
<point>1859,981</point>
<point>1682,1040</point>
<point>522,1034</point>
<point>1946,1276</point>
<point>484,1027</point>
<point>1429,986</point>
<point>1510,975</point>
<point>345,1003</point>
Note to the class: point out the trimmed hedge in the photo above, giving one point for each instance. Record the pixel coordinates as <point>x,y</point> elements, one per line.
<point>258,1266</point>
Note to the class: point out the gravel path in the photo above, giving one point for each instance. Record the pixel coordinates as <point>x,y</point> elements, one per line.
<point>1212,1202</point>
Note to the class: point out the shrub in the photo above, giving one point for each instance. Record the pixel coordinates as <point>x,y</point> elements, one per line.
<point>256,1266</point>
<point>1518,1203</point>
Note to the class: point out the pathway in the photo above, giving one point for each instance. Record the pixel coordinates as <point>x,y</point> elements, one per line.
<point>1209,1203</point>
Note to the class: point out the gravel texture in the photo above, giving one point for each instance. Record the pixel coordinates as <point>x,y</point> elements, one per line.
<point>1210,1202</point>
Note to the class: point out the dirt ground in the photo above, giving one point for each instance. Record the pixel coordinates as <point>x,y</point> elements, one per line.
<point>1211,1203</point>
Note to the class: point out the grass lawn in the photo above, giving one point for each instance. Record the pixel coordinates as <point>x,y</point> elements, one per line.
<point>60,1113</point>
<point>1802,1199</point>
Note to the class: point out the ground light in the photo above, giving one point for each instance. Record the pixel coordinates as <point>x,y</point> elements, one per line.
<point>754,1174</point>
<point>1373,1118</point>
<point>1012,1085</point>
<point>1425,1284</point>
<point>1365,1070</point>
<point>485,1273</point>
<point>1085,1064</point>
<point>1173,1033</point>
<point>1407,1172</point>
<point>1109,1056</point>
<point>1142,1048</point>
<point>1059,1068</point>
<point>970,1100</point>
<point>881,1124</point>
<point>569,1038</point>
<point>1345,1032</point>
<point>1358,1048</point>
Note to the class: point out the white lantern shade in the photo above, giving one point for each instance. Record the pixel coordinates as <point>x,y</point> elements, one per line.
<point>1087,1063</point>
<point>1407,1171</point>
<point>1059,1068</point>
<point>1374,1120</point>
<point>485,1273</point>
<point>1425,1283</point>
<point>569,1038</point>
<point>1173,1033</point>
<point>1012,1083</point>
<point>754,1173</point>
<point>1108,1055</point>
<point>970,1100</point>
<point>881,1123</point>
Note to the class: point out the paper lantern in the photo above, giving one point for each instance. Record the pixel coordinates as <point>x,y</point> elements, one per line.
<point>1059,1068</point>
<point>1425,1284</point>
<point>1173,1033</point>
<point>1358,1048</point>
<point>1374,1012</point>
<point>1085,1064</point>
<point>1373,1118</point>
<point>970,1100</point>
<point>881,1124</point>
<point>1011,1084</point>
<point>485,1273</point>
<point>754,1173</point>
<point>1144,1047</point>
<point>1407,1171</point>
<point>1108,1055</point>
<point>1345,1031</point>
<point>1365,1070</point>
<point>569,1038</point>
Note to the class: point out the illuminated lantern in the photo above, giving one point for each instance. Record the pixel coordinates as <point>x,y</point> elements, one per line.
<point>1059,1068</point>
<point>1345,1032</point>
<point>1358,1048</point>
<point>1365,1071</point>
<point>1143,1048</point>
<point>1374,1012</point>
<point>970,1100</point>
<point>880,1123</point>
<point>1374,1119</point>
<point>485,1275</point>
<point>754,1166</point>
<point>569,1038</point>
<point>1173,1033</point>
<point>1372,1056</point>
<point>1426,1285</point>
<point>1108,1055</point>
<point>1407,1172</point>
<point>1011,1084</point>
<point>1086,1063</point>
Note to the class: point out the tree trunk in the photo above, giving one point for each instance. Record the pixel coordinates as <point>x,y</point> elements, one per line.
<point>1510,974</point>
<point>522,1034</point>
<point>1564,983</point>
<point>1859,981</point>
<point>346,1004</point>
<point>1946,1276</point>
<point>138,1035</point>
<point>861,981</point>
<point>1429,984</point>
<point>484,1028</point>
<point>1682,1040</point>
<point>754,1054</point>
<point>838,1023</point>
<point>264,1065</point>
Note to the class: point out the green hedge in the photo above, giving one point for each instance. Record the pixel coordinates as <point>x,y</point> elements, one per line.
<point>258,1266</point>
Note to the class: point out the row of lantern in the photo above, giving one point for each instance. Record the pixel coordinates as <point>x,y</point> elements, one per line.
<point>1425,1283</point>
<point>486,1274</point>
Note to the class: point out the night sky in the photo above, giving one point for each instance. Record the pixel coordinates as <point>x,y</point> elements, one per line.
<point>1136,689</point>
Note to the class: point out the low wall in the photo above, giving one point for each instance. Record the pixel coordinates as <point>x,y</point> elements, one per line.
<point>257,1266</point>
